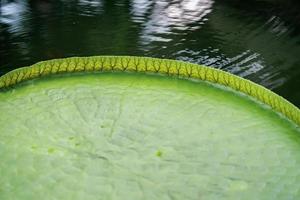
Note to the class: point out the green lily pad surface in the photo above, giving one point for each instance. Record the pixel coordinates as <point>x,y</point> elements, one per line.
<point>110,133</point>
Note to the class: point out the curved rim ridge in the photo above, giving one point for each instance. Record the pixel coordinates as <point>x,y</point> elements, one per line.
<point>152,65</point>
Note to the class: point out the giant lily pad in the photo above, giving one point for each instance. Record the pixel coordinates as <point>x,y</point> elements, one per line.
<point>143,128</point>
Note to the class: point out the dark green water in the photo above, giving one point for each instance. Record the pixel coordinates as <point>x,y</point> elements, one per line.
<point>255,39</point>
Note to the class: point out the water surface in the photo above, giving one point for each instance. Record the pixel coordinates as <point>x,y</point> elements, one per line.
<point>255,39</point>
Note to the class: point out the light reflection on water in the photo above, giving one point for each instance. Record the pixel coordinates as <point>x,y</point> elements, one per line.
<point>260,42</point>
<point>88,8</point>
<point>12,14</point>
<point>168,16</point>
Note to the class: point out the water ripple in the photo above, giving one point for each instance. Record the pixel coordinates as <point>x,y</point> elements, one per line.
<point>166,17</point>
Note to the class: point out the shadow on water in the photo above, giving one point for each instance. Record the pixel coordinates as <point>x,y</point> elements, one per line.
<point>256,39</point>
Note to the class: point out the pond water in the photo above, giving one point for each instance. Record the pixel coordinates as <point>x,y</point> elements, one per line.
<point>255,39</point>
